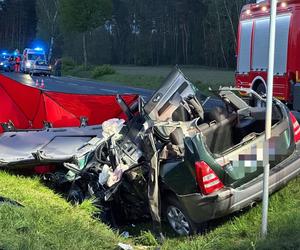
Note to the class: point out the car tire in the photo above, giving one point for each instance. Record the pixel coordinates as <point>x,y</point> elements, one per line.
<point>75,195</point>
<point>178,218</point>
<point>261,90</point>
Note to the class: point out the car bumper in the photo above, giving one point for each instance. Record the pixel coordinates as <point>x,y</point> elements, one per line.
<point>41,71</point>
<point>204,208</point>
<point>27,70</point>
<point>2,67</point>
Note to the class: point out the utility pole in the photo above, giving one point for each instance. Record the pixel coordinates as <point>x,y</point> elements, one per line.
<point>264,225</point>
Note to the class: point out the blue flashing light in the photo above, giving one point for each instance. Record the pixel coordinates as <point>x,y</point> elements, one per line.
<point>4,53</point>
<point>38,49</point>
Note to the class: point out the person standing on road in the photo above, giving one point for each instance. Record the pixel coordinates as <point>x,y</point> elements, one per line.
<point>17,64</point>
<point>58,67</point>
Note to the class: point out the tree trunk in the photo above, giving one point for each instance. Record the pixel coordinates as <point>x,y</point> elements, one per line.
<point>204,44</point>
<point>220,35</point>
<point>51,49</point>
<point>231,24</point>
<point>84,49</point>
<point>186,37</point>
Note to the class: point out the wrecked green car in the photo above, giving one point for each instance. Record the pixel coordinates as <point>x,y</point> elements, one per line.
<point>180,156</point>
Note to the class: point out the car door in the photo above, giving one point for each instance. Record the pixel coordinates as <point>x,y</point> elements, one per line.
<point>246,160</point>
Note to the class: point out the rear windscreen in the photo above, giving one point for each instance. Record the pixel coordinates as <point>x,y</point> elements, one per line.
<point>33,57</point>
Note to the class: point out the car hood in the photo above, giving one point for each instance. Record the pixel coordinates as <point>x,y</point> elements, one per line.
<point>48,145</point>
<point>169,96</point>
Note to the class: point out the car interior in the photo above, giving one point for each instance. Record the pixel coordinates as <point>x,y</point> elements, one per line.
<point>230,122</point>
<point>226,126</point>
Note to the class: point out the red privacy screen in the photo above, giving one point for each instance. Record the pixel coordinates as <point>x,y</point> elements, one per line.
<point>28,107</point>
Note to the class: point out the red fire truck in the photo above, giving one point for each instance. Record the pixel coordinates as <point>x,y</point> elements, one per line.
<point>252,51</point>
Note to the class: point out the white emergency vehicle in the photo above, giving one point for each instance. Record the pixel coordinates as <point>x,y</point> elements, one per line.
<point>30,56</point>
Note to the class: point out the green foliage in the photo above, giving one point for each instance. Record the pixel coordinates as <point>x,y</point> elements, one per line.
<point>47,19</point>
<point>146,238</point>
<point>152,77</point>
<point>84,68</point>
<point>17,34</point>
<point>81,16</point>
<point>151,32</point>
<point>68,63</point>
<point>103,70</point>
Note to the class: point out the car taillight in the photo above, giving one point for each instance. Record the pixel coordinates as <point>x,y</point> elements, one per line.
<point>207,180</point>
<point>43,169</point>
<point>296,127</point>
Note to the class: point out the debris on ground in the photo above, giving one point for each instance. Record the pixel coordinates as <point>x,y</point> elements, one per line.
<point>123,246</point>
<point>4,200</point>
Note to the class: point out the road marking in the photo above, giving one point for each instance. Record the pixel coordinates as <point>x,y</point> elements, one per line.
<point>107,90</point>
<point>95,89</point>
<point>73,84</point>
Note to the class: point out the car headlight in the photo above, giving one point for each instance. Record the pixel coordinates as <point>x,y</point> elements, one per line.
<point>28,64</point>
<point>49,67</point>
<point>1,63</point>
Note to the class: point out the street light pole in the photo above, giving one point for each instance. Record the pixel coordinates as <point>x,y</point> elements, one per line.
<point>264,226</point>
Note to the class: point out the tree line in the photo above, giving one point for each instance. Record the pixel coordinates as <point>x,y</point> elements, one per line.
<point>17,23</point>
<point>138,32</point>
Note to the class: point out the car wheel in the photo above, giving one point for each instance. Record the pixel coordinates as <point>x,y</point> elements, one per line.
<point>75,195</point>
<point>261,90</point>
<point>178,219</point>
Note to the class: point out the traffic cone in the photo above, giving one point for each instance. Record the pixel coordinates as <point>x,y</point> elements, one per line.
<point>37,83</point>
<point>42,84</point>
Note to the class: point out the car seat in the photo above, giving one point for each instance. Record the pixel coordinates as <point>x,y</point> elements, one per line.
<point>219,133</point>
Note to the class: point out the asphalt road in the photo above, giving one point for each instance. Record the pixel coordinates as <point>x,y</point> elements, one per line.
<point>86,86</point>
<point>77,85</point>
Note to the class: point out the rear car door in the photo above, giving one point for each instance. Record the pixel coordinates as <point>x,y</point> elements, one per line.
<point>245,160</point>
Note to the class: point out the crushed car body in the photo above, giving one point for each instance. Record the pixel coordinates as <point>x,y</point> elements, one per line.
<point>174,157</point>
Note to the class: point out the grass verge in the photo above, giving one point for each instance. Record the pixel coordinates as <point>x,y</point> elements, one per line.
<point>47,221</point>
<point>152,77</point>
